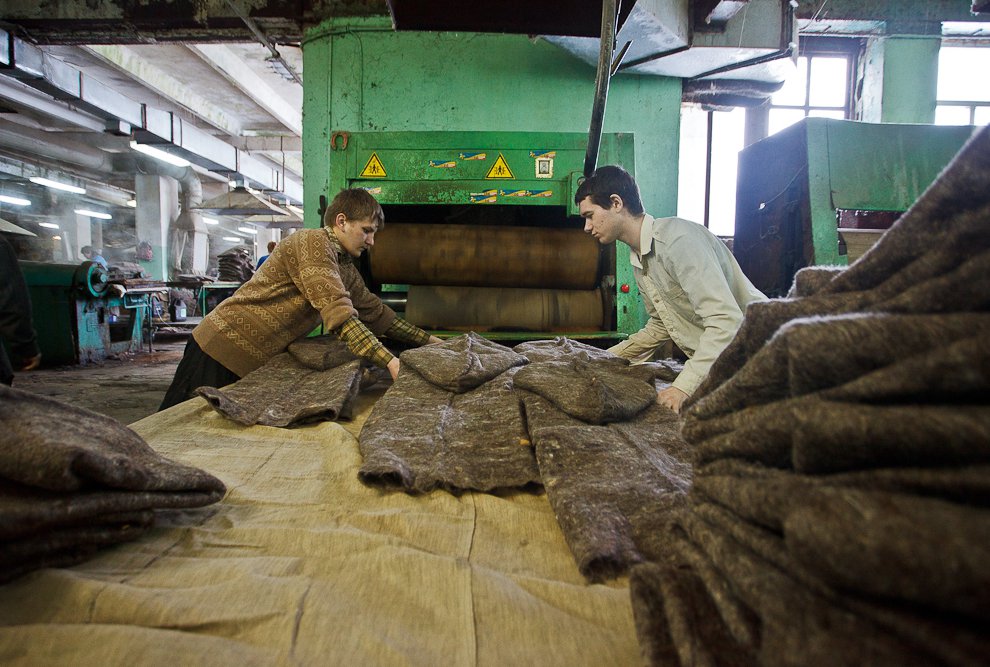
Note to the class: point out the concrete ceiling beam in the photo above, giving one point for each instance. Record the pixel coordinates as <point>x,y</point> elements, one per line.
<point>127,61</point>
<point>241,75</point>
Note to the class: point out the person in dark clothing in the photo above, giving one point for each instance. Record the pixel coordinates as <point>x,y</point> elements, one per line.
<point>16,329</point>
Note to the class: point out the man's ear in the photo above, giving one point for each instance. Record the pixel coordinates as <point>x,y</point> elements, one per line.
<point>616,201</point>
<point>339,220</point>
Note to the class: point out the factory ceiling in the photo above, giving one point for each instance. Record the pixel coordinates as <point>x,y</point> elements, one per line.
<point>219,82</point>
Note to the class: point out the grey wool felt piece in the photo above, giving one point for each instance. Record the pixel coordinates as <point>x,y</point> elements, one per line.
<point>841,490</point>
<point>611,487</point>
<point>421,437</point>
<point>462,362</point>
<point>597,391</point>
<point>560,348</point>
<point>72,480</point>
<point>312,381</point>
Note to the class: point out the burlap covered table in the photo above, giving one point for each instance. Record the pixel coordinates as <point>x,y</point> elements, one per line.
<point>303,564</point>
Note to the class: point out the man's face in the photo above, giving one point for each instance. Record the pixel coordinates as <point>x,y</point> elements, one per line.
<point>355,236</point>
<point>602,223</point>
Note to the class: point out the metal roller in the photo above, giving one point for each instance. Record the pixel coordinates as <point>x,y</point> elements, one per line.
<point>487,309</point>
<point>485,256</point>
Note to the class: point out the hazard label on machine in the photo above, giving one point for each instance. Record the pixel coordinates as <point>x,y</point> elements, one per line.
<point>374,168</point>
<point>500,169</point>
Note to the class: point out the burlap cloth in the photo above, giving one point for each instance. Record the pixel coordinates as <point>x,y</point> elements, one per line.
<point>73,481</point>
<point>302,564</point>
<point>839,513</point>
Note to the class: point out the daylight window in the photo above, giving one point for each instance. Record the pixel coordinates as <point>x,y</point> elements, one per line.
<point>961,98</point>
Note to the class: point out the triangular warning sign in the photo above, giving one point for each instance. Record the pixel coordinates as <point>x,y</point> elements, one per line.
<point>374,168</point>
<point>500,169</point>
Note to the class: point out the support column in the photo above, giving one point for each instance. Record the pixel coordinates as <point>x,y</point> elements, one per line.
<point>902,72</point>
<point>157,208</point>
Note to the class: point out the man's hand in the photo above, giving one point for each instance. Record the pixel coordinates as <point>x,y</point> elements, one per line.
<point>434,339</point>
<point>32,363</point>
<point>393,368</point>
<point>671,397</point>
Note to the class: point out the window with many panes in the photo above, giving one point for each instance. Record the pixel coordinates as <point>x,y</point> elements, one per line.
<point>963,93</point>
<point>821,86</point>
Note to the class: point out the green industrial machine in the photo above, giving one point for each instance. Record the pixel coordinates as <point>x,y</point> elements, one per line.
<point>79,316</point>
<point>798,187</point>
<point>482,232</point>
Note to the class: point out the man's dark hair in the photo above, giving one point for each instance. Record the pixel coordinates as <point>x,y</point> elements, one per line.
<point>607,181</point>
<point>355,204</point>
<point>271,246</point>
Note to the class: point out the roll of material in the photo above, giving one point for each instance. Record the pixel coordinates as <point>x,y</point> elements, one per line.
<point>504,309</point>
<point>485,256</point>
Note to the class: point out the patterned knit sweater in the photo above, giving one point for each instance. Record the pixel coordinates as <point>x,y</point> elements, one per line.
<point>306,279</point>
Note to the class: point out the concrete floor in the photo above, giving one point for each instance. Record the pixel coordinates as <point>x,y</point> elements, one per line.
<point>127,389</point>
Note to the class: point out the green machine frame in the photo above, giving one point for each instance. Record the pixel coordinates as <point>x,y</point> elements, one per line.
<point>794,185</point>
<point>534,169</point>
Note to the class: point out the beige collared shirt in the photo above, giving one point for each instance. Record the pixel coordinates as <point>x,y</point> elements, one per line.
<point>694,292</point>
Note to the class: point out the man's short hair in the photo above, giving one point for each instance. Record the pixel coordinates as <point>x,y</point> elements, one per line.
<point>271,246</point>
<point>355,204</point>
<point>86,250</point>
<point>607,181</point>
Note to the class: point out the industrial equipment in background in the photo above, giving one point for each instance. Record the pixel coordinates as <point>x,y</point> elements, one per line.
<point>481,233</point>
<point>82,317</point>
<point>822,191</point>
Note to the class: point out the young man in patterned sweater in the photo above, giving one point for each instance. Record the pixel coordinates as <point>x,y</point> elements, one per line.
<point>309,278</point>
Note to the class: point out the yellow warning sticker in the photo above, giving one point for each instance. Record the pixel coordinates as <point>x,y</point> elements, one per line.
<point>500,169</point>
<point>374,168</point>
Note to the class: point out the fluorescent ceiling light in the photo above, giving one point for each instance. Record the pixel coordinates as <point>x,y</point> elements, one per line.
<point>16,201</point>
<point>132,203</point>
<point>57,237</point>
<point>49,225</point>
<point>247,230</point>
<point>94,214</point>
<point>159,154</point>
<point>55,185</point>
<point>234,239</point>
<point>211,221</point>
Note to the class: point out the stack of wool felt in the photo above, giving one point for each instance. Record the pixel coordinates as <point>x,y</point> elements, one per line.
<point>73,481</point>
<point>840,512</point>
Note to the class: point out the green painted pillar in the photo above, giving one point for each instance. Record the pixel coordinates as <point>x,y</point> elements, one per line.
<point>910,76</point>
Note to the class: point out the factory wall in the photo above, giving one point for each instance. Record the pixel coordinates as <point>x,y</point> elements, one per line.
<point>360,75</point>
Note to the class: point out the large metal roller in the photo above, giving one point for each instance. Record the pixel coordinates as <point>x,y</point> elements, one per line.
<point>488,308</point>
<point>485,256</point>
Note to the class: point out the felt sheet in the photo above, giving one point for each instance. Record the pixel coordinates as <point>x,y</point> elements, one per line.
<point>303,564</point>
<point>316,379</point>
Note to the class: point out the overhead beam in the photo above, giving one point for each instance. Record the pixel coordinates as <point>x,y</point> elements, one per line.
<point>241,75</point>
<point>127,60</point>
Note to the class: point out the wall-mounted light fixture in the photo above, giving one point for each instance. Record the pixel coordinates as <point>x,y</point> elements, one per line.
<point>55,185</point>
<point>132,203</point>
<point>159,154</point>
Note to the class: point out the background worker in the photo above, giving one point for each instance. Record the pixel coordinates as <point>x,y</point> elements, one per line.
<point>692,287</point>
<point>93,255</point>
<point>261,260</point>
<point>16,328</point>
<point>310,277</point>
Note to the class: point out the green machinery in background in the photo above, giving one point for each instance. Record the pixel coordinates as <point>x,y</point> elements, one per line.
<point>79,316</point>
<point>798,187</point>
<point>482,232</point>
